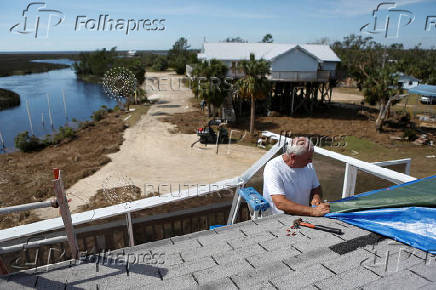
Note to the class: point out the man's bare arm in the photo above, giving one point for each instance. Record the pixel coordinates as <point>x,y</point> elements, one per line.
<point>284,204</point>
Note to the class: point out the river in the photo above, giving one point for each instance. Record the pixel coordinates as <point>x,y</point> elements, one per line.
<point>81,99</point>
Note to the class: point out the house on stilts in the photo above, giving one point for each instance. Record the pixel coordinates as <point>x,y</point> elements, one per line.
<point>302,75</point>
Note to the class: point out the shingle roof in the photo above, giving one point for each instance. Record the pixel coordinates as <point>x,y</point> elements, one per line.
<point>268,51</point>
<point>252,255</point>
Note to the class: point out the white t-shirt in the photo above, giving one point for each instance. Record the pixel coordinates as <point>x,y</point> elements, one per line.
<point>295,183</point>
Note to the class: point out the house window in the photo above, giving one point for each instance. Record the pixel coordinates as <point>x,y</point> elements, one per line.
<point>410,83</point>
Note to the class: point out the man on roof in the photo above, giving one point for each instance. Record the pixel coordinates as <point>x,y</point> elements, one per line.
<point>290,183</point>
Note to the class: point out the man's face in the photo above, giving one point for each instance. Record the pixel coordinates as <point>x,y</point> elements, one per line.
<point>302,160</point>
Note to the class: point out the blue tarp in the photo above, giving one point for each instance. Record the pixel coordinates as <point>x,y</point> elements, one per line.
<point>405,213</point>
<point>414,226</point>
<point>425,90</point>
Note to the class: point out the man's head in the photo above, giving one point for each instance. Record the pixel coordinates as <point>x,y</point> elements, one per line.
<point>299,152</point>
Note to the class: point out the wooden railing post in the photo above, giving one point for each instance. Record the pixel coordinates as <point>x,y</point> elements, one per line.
<point>65,213</point>
<point>130,229</point>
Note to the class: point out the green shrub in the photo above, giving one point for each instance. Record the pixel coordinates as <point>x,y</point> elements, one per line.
<point>26,143</point>
<point>64,133</point>
<point>99,115</point>
<point>180,65</point>
<point>74,120</point>
<point>160,63</point>
<point>48,140</point>
<point>86,124</point>
<point>116,108</point>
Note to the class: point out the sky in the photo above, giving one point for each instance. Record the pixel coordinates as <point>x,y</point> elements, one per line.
<point>292,21</point>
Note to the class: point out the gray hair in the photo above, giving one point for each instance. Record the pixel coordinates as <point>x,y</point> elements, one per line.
<point>299,146</point>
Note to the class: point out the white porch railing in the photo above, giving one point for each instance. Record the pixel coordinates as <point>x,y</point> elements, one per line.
<point>300,76</point>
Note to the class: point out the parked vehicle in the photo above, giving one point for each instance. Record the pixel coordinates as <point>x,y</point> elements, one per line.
<point>208,135</point>
<point>428,100</point>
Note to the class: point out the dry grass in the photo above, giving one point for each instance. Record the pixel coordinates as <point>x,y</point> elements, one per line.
<point>111,196</point>
<point>27,177</point>
<point>354,91</point>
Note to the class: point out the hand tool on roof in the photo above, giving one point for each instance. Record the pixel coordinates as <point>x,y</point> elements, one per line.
<point>299,222</point>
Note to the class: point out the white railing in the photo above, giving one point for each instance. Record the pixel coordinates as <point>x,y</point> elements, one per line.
<point>351,174</point>
<point>353,164</point>
<point>127,208</point>
<point>300,76</point>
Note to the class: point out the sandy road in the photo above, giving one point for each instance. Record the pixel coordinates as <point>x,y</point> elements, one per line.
<point>151,156</point>
<point>338,96</point>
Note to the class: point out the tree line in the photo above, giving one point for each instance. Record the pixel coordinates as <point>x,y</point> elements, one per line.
<point>360,54</point>
<point>375,69</point>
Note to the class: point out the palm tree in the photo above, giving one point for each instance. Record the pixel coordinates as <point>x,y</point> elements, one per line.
<point>209,83</point>
<point>254,85</point>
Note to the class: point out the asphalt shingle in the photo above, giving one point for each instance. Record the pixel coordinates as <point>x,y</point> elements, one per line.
<point>351,279</point>
<point>425,270</point>
<point>261,275</point>
<point>221,271</point>
<point>249,255</point>
<point>398,280</point>
<point>303,277</point>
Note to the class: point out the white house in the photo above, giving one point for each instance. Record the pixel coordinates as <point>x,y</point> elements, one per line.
<point>407,82</point>
<point>300,73</point>
<point>289,62</point>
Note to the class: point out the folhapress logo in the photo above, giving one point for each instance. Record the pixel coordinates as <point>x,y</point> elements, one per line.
<point>37,20</point>
<point>387,20</point>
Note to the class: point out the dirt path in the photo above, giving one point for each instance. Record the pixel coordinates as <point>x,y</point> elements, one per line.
<point>338,96</point>
<point>151,155</point>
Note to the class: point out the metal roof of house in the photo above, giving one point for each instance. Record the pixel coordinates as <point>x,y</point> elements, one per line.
<point>403,78</point>
<point>251,255</point>
<point>267,51</point>
<point>425,90</point>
